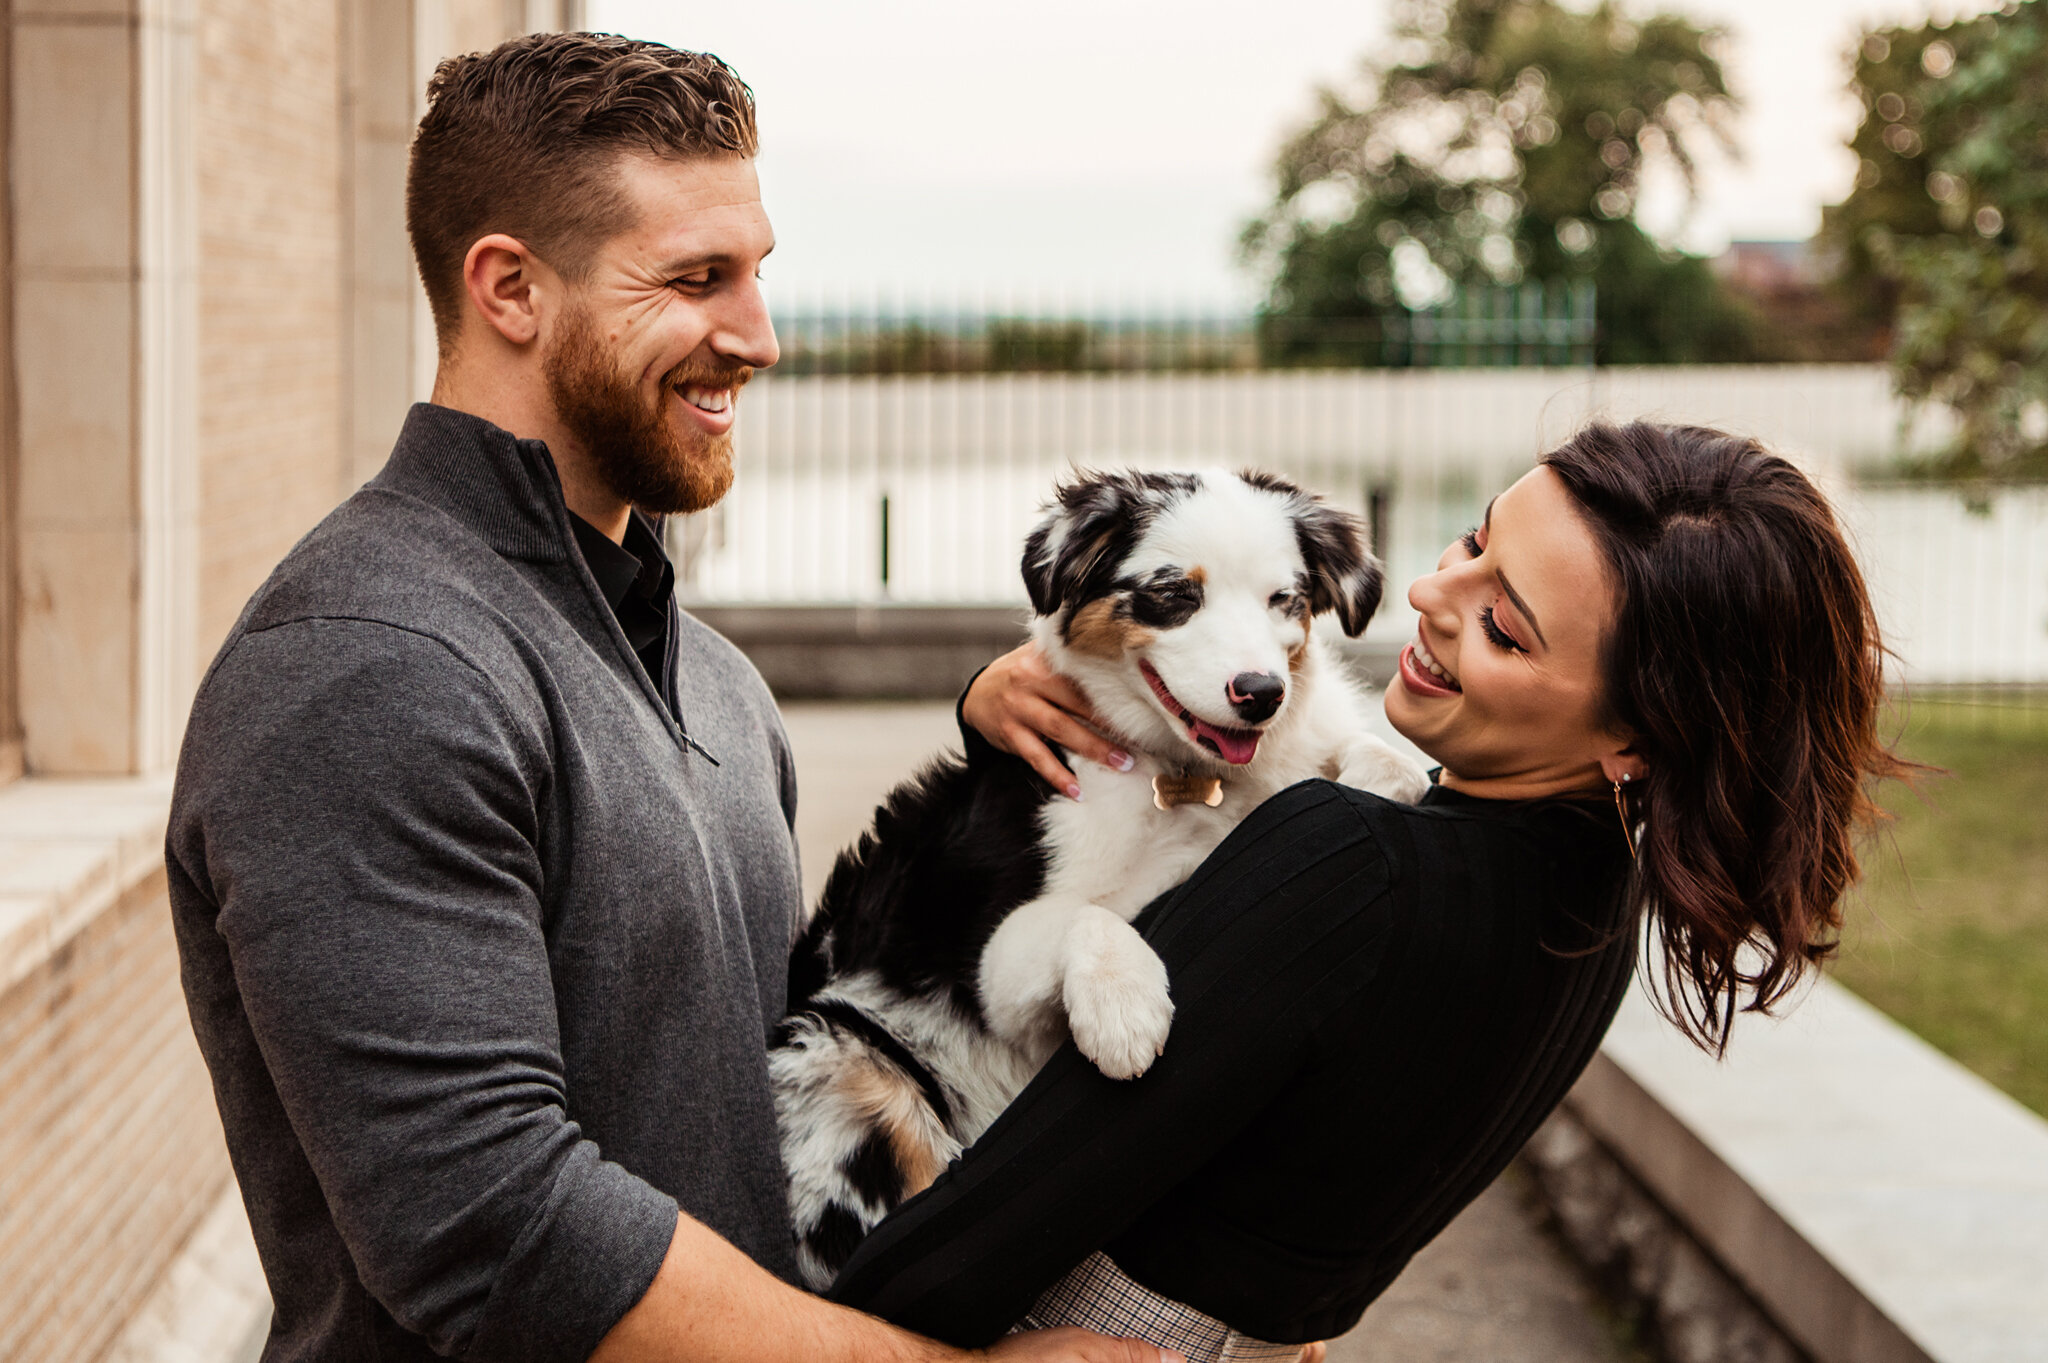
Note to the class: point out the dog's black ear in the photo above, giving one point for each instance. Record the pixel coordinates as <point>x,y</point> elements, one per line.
<point>1076,549</point>
<point>1342,575</point>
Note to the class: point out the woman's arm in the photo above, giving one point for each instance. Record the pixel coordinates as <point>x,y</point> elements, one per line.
<point>1019,705</point>
<point>1274,931</point>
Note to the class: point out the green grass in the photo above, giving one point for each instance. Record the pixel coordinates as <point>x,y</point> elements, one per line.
<point>1949,933</point>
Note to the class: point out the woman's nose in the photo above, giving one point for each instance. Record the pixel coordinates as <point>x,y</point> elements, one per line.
<point>1431,598</point>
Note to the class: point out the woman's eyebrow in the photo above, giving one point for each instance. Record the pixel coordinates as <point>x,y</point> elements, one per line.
<point>1521,606</point>
<point>1502,578</point>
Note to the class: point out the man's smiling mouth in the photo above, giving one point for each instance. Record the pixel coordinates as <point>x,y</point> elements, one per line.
<point>708,399</point>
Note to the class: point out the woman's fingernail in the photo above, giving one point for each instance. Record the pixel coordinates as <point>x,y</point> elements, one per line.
<point>1073,792</point>
<point>1122,761</point>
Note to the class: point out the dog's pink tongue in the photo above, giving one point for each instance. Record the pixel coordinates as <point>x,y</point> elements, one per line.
<point>1237,746</point>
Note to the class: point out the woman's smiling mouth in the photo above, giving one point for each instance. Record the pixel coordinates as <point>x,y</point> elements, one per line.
<point>1421,673</point>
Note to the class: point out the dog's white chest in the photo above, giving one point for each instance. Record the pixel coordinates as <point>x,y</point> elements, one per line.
<point>1116,847</point>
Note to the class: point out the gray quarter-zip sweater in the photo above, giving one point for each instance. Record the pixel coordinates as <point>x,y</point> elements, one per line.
<point>482,950</point>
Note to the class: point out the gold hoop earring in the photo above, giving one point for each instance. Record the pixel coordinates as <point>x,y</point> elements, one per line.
<point>1628,832</point>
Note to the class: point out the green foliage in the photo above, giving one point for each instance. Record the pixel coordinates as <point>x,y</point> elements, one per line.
<point>962,343</point>
<point>1950,933</point>
<point>1022,345</point>
<point>1505,140</point>
<point>1946,232</point>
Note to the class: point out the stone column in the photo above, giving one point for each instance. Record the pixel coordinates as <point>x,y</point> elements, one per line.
<point>10,496</point>
<point>104,282</point>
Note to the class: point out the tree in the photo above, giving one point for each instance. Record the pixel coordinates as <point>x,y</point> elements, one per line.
<point>1506,140</point>
<point>1946,231</point>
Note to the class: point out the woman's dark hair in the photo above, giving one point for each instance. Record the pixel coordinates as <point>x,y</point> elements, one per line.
<point>1744,657</point>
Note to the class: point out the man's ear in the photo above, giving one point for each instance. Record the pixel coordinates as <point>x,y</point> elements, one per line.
<point>504,279</point>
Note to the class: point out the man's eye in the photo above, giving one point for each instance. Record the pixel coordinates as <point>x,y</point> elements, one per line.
<point>691,281</point>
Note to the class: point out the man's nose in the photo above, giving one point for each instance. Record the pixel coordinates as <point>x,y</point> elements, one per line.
<point>745,333</point>
<point>1256,695</point>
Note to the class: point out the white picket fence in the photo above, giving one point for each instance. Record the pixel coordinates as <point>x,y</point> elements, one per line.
<point>920,489</point>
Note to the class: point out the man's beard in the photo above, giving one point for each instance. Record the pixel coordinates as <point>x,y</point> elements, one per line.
<point>635,448</point>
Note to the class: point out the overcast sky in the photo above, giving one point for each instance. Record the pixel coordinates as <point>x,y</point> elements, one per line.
<point>1111,149</point>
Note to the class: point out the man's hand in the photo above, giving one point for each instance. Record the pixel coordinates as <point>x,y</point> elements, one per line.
<point>1068,1345</point>
<point>1019,704</point>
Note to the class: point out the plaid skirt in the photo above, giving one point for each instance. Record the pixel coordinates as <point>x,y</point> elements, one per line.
<point>1099,1296</point>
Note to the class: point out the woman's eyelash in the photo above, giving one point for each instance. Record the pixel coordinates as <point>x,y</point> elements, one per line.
<point>1470,539</point>
<point>1495,635</point>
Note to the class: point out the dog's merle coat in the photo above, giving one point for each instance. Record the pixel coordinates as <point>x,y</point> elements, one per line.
<point>984,920</point>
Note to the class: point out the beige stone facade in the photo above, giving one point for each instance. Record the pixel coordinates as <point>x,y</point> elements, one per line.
<point>209,333</point>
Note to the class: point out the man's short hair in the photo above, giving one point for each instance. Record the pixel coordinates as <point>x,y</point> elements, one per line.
<point>525,139</point>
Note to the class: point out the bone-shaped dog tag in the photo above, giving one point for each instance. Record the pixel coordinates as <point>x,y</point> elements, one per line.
<point>1168,791</point>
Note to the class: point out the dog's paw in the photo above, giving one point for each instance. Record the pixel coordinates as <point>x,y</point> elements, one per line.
<point>1370,764</point>
<point>1114,987</point>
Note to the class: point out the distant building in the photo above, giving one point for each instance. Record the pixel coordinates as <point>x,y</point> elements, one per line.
<point>1766,266</point>
<point>1786,286</point>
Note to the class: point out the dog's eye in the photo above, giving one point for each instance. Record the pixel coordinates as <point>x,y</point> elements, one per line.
<point>1166,603</point>
<point>1287,603</point>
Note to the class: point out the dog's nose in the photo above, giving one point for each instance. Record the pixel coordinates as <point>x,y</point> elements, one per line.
<point>1256,695</point>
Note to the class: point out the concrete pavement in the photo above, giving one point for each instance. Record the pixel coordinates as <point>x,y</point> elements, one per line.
<point>1495,1287</point>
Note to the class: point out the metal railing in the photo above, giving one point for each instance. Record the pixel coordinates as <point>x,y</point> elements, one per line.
<point>1535,324</point>
<point>919,489</point>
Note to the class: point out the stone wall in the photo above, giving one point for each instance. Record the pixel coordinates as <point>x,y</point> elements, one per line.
<point>110,1149</point>
<point>1684,1305</point>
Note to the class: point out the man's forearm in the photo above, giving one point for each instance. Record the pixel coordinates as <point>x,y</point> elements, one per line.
<point>710,1303</point>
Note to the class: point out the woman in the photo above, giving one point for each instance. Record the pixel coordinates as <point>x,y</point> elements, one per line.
<point>1652,678</point>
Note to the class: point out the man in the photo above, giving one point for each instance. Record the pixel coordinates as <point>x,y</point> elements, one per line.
<point>480,856</point>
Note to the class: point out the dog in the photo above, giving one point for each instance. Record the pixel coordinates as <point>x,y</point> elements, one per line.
<point>985,919</point>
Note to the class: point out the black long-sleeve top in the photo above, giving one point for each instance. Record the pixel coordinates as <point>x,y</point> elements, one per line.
<point>1376,1004</point>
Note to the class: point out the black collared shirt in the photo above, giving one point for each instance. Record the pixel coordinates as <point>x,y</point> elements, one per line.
<point>639,584</point>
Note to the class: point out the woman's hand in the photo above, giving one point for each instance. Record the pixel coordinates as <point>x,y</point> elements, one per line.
<point>1019,703</point>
